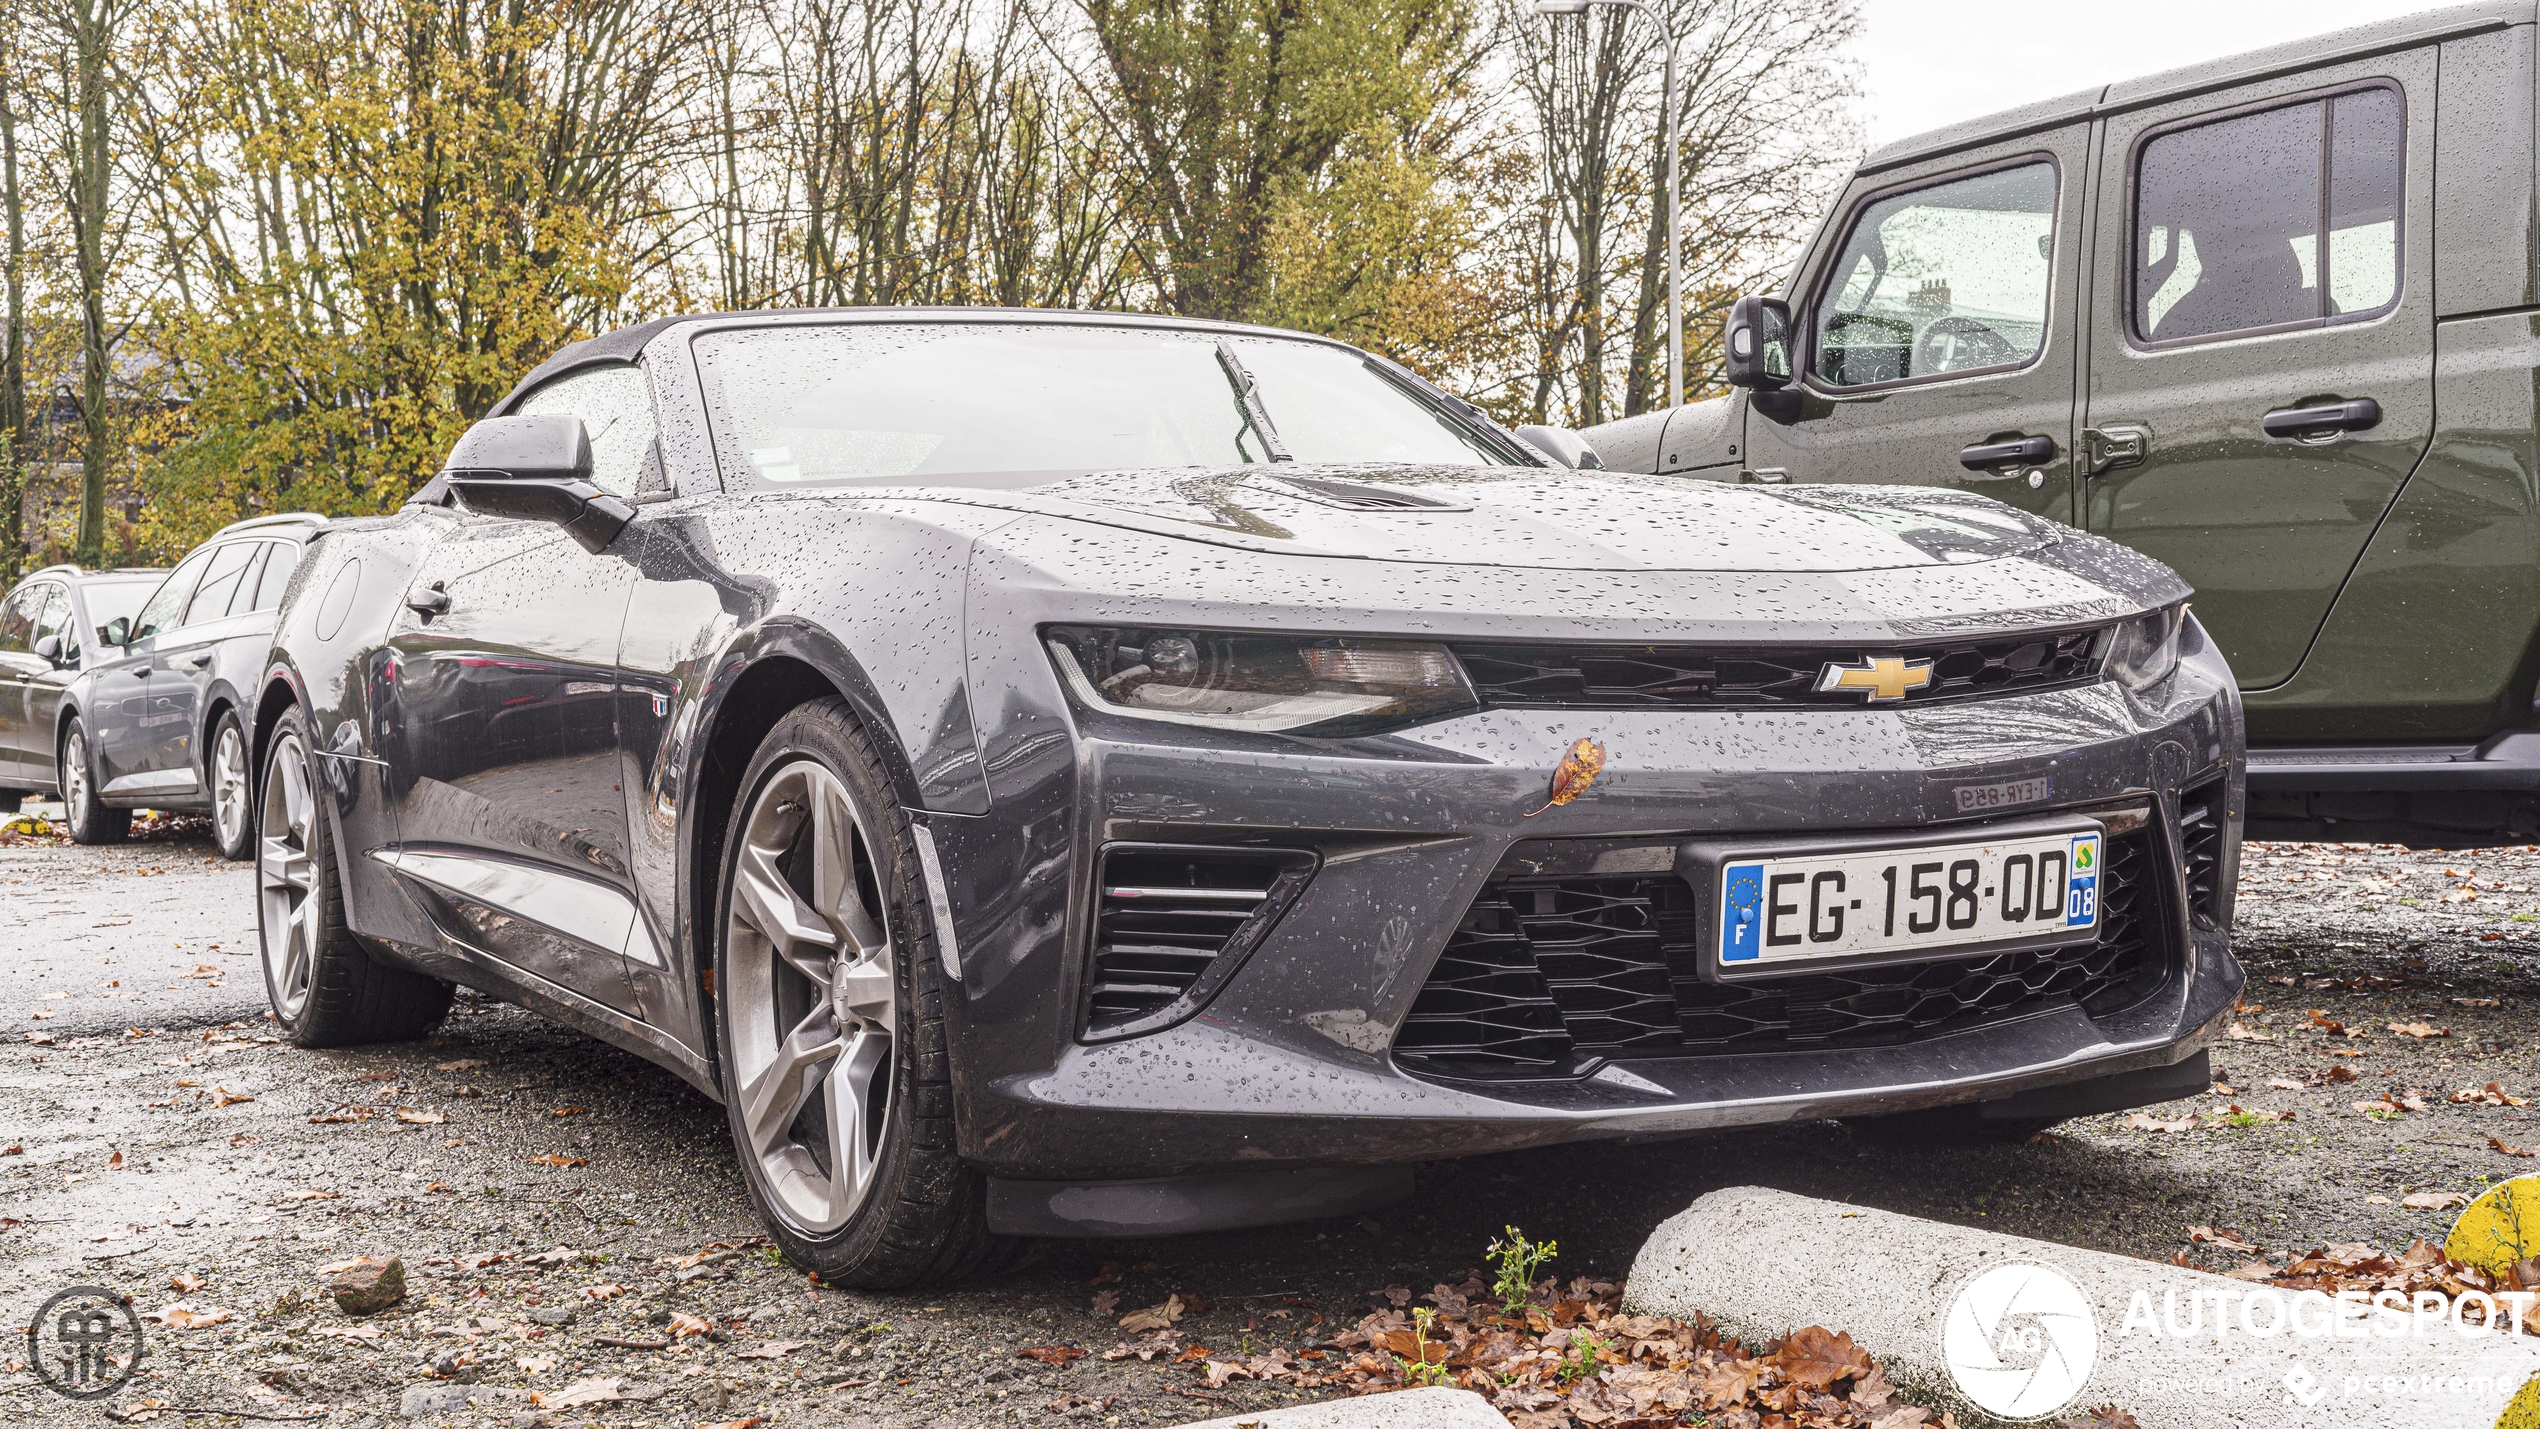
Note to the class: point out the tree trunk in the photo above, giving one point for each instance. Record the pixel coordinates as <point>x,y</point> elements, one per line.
<point>88,221</point>
<point>13,463</point>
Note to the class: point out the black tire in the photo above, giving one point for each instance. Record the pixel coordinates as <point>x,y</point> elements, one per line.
<point>1959,1126</point>
<point>923,1219</point>
<point>344,997</point>
<point>233,800</point>
<point>90,821</point>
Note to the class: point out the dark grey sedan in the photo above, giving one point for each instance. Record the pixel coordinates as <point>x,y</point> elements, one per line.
<point>156,720</point>
<point>52,629</point>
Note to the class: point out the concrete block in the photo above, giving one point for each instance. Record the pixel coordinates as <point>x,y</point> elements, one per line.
<point>1402,1409</point>
<point>1958,1315</point>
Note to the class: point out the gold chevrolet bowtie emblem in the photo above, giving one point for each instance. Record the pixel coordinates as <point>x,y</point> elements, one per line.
<point>1881,677</point>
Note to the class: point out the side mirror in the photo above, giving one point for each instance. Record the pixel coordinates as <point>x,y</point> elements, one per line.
<point>48,648</point>
<point>536,469</point>
<point>1565,447</point>
<point>1758,344</point>
<point>118,631</point>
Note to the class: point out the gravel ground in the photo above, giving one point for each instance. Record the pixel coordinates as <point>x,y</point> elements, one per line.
<point>250,1165</point>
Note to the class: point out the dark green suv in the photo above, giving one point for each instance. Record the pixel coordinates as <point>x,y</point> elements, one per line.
<point>2274,320</point>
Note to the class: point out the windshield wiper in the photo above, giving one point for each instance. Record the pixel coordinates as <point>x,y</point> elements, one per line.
<point>1248,397</point>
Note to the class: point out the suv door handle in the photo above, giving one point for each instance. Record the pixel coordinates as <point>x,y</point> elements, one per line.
<point>434,601</point>
<point>2361,414</point>
<point>2021,451</point>
<point>198,660</point>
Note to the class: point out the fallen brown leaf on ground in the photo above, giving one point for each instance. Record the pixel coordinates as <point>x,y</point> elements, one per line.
<point>1154,1317</point>
<point>2478,1002</point>
<point>223,1096</point>
<point>1059,1355</point>
<point>2499,1145</point>
<point>186,1317</point>
<point>186,1284</point>
<point>2435,1200</point>
<point>561,1162</point>
<point>411,1117</point>
<point>2140,1121</point>
<point>2491,1094</point>
<point>569,1111</point>
<point>579,1393</point>
<point>2419,1029</point>
<point>772,1350</point>
<point>683,1327</point>
<point>464,1064</point>
<point>2222,1239</point>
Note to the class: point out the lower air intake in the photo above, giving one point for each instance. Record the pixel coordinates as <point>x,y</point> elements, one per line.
<point>1172,921</point>
<point>1547,972</point>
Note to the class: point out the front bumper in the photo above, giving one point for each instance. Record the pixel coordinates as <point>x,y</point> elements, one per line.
<point>1293,1061</point>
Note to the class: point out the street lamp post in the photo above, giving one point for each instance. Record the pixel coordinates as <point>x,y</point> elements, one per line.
<point>1675,294</point>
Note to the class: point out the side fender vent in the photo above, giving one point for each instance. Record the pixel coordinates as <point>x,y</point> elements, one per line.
<point>2200,836</point>
<point>1173,921</point>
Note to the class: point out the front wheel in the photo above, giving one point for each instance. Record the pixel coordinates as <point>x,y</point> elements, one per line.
<point>232,810</point>
<point>829,1010</point>
<point>91,822</point>
<point>325,987</point>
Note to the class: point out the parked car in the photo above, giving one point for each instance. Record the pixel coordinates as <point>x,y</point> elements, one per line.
<point>157,718</point>
<point>51,630</point>
<point>1075,774</point>
<point>2267,319</point>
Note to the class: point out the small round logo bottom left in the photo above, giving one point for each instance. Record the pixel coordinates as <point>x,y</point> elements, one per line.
<point>85,1342</point>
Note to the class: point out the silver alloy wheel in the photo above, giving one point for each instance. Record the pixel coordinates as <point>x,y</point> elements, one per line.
<point>229,784</point>
<point>75,778</point>
<point>283,873</point>
<point>811,996</point>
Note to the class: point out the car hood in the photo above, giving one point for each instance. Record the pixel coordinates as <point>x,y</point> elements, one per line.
<point>1527,517</point>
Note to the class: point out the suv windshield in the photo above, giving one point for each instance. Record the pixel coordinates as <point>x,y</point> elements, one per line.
<point>919,404</point>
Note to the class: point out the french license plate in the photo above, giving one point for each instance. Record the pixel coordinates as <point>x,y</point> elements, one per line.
<point>1876,905</point>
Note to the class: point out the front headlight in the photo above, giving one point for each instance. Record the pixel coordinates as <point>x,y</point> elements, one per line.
<point>2143,651</point>
<point>1324,685</point>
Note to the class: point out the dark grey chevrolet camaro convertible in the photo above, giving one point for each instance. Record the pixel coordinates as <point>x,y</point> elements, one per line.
<point>1092,775</point>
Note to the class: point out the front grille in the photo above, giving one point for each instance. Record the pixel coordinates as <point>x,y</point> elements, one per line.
<point>1629,676</point>
<point>2200,830</point>
<point>1545,972</point>
<point>1165,916</point>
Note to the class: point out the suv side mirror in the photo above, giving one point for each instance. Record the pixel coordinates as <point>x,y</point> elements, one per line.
<point>48,648</point>
<point>536,469</point>
<point>118,631</point>
<point>1565,447</point>
<point>1758,345</point>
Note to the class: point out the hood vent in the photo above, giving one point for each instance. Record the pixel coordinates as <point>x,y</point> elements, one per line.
<point>1361,496</point>
<point>1173,922</point>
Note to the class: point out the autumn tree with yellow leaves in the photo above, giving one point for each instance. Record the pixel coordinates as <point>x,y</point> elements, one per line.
<point>276,254</point>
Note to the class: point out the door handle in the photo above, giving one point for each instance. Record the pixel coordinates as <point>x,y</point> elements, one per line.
<point>198,660</point>
<point>2361,414</point>
<point>434,601</point>
<point>2019,451</point>
<point>2104,449</point>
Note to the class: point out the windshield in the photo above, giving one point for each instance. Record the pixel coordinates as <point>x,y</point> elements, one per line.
<point>918,404</point>
<point>108,600</point>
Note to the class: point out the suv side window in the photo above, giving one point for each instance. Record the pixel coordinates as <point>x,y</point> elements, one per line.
<point>220,582</point>
<point>1949,278</point>
<point>17,619</point>
<point>2237,221</point>
<point>276,577</point>
<point>616,408</point>
<point>159,614</point>
<point>55,619</point>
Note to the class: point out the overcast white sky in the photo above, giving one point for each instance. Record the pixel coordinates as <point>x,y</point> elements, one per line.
<point>1933,62</point>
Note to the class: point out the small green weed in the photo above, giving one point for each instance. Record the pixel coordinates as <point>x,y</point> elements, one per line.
<point>1588,1347</point>
<point>1518,1259</point>
<point>1420,1370</point>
